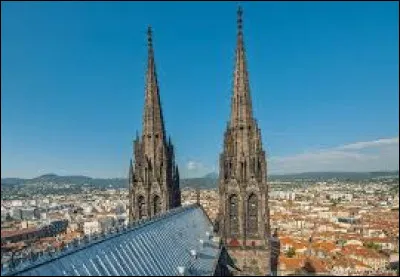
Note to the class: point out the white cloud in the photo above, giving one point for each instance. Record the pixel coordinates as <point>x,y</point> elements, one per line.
<point>192,165</point>
<point>382,154</point>
<point>194,169</point>
<point>368,144</point>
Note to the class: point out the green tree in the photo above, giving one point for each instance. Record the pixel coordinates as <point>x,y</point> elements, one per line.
<point>291,252</point>
<point>372,245</point>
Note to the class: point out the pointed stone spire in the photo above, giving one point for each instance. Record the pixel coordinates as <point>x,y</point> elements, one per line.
<point>241,110</point>
<point>154,158</point>
<point>153,122</point>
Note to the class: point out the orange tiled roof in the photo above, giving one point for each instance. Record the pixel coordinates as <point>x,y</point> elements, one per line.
<point>290,263</point>
<point>11,233</point>
<point>378,240</point>
<point>347,262</point>
<point>286,240</point>
<point>324,246</point>
<point>15,245</point>
<point>361,252</point>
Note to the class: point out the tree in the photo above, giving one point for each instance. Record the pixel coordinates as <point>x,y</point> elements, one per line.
<point>291,252</point>
<point>372,245</point>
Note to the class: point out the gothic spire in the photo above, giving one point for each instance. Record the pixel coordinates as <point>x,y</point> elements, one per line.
<point>241,110</point>
<point>153,122</point>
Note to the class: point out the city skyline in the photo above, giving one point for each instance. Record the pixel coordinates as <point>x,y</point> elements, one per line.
<point>325,95</point>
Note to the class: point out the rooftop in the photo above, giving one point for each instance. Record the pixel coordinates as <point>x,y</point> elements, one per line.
<point>155,247</point>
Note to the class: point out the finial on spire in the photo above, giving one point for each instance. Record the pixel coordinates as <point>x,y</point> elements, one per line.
<point>239,19</point>
<point>149,36</point>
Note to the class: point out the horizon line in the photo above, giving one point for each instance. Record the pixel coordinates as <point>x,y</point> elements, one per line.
<point>273,174</point>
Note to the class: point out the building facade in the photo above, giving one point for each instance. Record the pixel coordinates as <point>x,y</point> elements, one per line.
<point>154,176</point>
<point>243,220</point>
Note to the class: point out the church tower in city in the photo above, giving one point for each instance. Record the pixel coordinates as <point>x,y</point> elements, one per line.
<point>243,220</point>
<point>153,176</point>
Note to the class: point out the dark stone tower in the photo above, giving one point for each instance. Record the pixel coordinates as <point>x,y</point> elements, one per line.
<point>154,176</point>
<point>244,214</point>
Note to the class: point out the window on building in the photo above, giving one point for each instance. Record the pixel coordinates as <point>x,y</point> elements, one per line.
<point>141,207</point>
<point>252,215</point>
<point>156,205</point>
<point>233,215</point>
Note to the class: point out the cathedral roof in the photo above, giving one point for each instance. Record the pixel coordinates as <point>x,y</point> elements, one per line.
<point>161,246</point>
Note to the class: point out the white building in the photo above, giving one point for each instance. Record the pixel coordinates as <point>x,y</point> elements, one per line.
<point>91,227</point>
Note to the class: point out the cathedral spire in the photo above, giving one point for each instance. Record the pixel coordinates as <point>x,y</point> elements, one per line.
<point>154,188</point>
<point>241,109</point>
<point>153,122</point>
<point>243,216</point>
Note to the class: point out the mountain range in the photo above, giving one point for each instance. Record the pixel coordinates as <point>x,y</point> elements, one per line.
<point>207,181</point>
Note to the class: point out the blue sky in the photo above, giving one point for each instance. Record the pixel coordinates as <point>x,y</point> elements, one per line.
<point>323,77</point>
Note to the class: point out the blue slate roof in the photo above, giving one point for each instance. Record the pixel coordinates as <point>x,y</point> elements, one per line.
<point>154,247</point>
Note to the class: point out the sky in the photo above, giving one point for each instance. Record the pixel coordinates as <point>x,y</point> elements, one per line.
<point>323,78</point>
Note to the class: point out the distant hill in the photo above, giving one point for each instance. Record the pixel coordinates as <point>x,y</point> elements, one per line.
<point>212,175</point>
<point>78,180</point>
<point>200,183</point>
<point>73,180</point>
<point>335,175</point>
<point>11,181</point>
<point>206,182</point>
